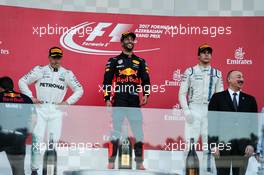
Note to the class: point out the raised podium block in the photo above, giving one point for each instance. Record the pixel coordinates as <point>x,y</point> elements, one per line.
<point>114,172</point>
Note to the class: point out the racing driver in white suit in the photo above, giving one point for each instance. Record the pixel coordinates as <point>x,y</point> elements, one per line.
<point>51,83</point>
<point>199,83</point>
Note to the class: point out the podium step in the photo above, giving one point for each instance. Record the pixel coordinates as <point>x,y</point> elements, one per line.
<point>113,172</point>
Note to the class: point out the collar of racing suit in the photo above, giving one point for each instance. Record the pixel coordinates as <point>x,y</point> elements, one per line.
<point>203,69</point>
<point>127,56</point>
<point>54,69</point>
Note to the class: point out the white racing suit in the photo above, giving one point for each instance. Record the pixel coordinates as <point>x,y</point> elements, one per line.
<point>199,84</point>
<point>51,87</point>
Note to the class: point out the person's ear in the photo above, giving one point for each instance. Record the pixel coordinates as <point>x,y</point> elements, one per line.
<point>122,44</point>
<point>228,79</point>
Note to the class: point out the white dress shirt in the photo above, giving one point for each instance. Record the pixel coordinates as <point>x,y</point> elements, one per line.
<point>231,92</point>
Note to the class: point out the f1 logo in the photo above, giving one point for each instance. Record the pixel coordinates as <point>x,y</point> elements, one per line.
<point>115,35</point>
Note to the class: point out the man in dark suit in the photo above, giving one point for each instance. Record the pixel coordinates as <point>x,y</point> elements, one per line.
<point>234,100</point>
<point>225,101</point>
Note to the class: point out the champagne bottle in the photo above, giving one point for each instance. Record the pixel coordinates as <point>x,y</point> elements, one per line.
<point>209,169</point>
<point>192,161</point>
<point>50,158</point>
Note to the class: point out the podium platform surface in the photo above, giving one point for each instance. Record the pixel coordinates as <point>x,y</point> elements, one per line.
<point>114,172</point>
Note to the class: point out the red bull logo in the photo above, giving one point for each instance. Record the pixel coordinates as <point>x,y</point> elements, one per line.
<point>128,72</point>
<point>12,95</point>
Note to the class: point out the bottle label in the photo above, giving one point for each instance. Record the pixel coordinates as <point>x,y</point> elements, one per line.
<point>125,160</point>
<point>192,172</point>
<point>50,169</point>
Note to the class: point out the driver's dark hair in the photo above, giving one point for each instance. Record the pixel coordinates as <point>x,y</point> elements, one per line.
<point>6,83</point>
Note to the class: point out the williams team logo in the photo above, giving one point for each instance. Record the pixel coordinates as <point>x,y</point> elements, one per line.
<point>101,39</point>
<point>239,58</point>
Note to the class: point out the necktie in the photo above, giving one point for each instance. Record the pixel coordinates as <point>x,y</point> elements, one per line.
<point>235,101</point>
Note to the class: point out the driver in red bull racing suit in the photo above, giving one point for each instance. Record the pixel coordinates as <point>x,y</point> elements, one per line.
<point>130,75</point>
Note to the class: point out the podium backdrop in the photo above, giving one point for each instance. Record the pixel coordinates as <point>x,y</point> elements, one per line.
<point>168,44</point>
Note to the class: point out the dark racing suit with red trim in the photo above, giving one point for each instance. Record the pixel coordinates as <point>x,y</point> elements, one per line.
<point>127,76</point>
<point>15,120</point>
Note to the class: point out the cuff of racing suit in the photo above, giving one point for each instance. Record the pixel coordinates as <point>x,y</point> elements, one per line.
<point>106,98</point>
<point>187,112</point>
<point>146,93</point>
<point>146,90</point>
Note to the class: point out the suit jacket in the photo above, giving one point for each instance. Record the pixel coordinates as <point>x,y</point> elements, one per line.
<point>222,101</point>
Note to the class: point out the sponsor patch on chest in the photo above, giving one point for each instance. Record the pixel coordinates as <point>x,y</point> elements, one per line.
<point>52,85</point>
